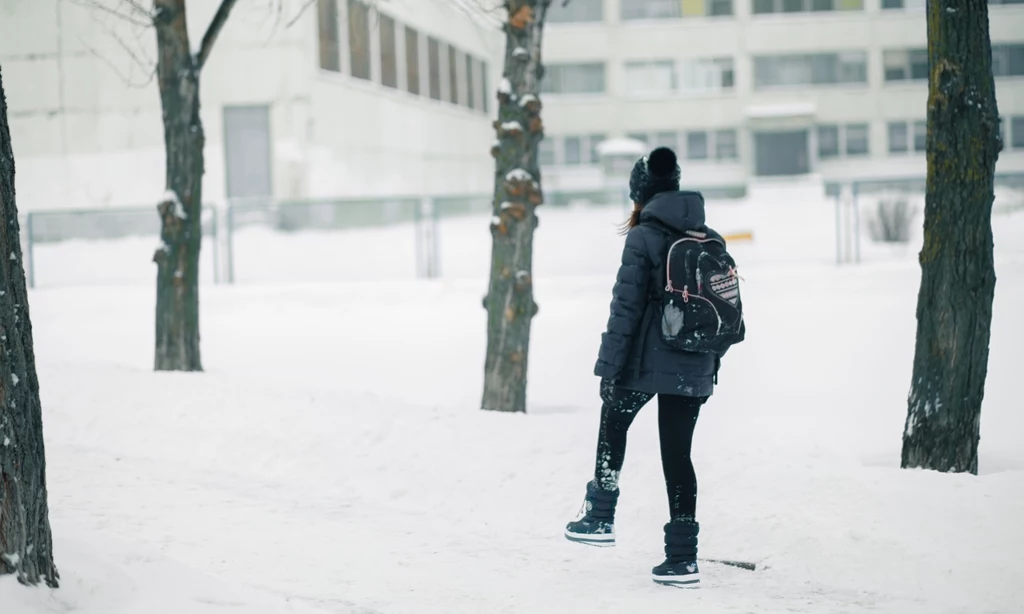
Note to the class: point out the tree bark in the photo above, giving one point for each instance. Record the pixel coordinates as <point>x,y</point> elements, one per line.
<point>954,305</point>
<point>26,545</point>
<point>517,192</point>
<point>177,259</point>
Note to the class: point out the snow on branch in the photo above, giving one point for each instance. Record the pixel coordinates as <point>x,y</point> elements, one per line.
<point>527,99</point>
<point>179,209</point>
<point>519,174</point>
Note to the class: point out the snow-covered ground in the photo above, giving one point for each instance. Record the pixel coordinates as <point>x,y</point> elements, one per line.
<point>332,457</point>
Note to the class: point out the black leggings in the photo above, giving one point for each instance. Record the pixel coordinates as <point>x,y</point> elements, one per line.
<point>677,417</point>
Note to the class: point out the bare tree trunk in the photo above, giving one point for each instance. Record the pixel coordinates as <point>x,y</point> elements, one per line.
<point>954,306</point>
<point>509,301</point>
<point>177,259</point>
<point>26,545</point>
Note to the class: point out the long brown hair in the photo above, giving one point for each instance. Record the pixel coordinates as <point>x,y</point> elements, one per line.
<point>633,221</point>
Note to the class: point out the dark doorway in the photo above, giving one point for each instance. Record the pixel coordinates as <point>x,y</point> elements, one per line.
<point>247,151</point>
<point>782,153</point>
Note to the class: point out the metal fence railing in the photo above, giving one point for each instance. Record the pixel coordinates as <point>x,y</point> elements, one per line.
<point>250,240</point>
<point>265,241</point>
<point>856,198</point>
<point>101,244</point>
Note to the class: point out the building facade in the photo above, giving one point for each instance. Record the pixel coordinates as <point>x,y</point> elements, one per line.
<point>335,98</point>
<point>753,92</point>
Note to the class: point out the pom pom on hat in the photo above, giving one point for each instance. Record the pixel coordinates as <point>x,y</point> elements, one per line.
<point>662,162</point>
<point>654,173</point>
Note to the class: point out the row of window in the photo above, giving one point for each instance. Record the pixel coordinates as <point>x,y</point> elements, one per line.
<point>692,145</point>
<point>701,75</point>
<point>589,11</point>
<point>919,4</point>
<point>834,141</point>
<point>912,64</point>
<point>903,137</point>
<point>719,74</point>
<point>1016,140</point>
<point>847,140</point>
<point>422,65</point>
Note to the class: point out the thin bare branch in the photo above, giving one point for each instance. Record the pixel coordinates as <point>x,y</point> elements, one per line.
<point>93,4</point>
<point>302,9</point>
<point>138,8</point>
<point>126,78</point>
<point>487,12</point>
<point>213,31</point>
<point>308,3</point>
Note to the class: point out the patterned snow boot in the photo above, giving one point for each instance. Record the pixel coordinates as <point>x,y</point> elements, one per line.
<point>680,566</point>
<point>595,524</point>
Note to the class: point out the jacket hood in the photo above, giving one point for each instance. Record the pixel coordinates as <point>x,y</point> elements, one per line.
<point>680,211</point>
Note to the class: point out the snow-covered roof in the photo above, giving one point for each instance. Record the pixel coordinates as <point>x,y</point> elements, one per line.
<point>792,109</point>
<point>621,147</point>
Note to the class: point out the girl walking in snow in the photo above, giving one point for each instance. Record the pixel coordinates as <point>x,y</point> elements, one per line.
<point>637,363</point>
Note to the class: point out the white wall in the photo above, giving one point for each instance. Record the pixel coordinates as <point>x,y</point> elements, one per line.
<point>743,36</point>
<point>85,114</point>
<point>397,143</point>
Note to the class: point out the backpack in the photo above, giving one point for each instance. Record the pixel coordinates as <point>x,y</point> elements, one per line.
<point>701,307</point>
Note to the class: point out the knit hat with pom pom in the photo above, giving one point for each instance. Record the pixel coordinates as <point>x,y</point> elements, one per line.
<point>654,173</point>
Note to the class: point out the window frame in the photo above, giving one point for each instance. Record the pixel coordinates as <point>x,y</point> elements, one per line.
<point>847,151</point>
<point>650,65</point>
<point>413,78</point>
<point>571,14</point>
<point>388,70</point>
<point>1016,140</point>
<point>328,21</point>
<point>434,85</point>
<point>834,152</point>
<point>559,71</point>
<point>633,10</point>
<point>796,7</point>
<point>360,52</point>
<point>823,69</point>
<point>919,135</point>
<point>699,135</point>
<point>735,145</point>
<point>903,147</point>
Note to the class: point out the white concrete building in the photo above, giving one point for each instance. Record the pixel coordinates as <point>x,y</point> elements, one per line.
<point>345,101</point>
<point>751,91</point>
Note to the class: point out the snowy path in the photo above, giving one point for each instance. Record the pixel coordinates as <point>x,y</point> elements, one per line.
<point>329,458</point>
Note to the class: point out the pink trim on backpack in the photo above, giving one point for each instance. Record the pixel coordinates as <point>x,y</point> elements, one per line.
<point>668,266</point>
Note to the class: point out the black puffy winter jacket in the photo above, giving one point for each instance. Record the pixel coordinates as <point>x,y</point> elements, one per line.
<point>633,353</point>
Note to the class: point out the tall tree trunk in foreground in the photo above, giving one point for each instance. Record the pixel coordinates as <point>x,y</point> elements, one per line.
<point>954,306</point>
<point>509,301</point>
<point>26,546</point>
<point>177,259</point>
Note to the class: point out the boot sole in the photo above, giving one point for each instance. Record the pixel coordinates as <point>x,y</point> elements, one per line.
<point>603,540</point>
<point>687,581</point>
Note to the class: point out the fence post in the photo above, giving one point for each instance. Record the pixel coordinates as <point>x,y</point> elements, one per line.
<point>856,223</point>
<point>215,213</point>
<point>435,253</point>
<point>417,229</point>
<point>847,231</point>
<point>30,260</point>
<point>839,224</point>
<point>425,216</point>
<point>229,243</point>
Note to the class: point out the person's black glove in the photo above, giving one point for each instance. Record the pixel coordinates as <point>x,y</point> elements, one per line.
<point>607,388</point>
